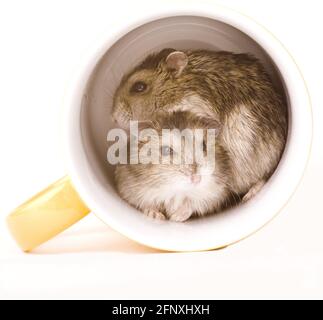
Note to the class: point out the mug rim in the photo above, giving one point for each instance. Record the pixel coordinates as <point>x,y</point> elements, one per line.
<point>74,147</point>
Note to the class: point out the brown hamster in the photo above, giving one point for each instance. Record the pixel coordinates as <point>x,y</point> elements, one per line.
<point>177,191</point>
<point>233,89</point>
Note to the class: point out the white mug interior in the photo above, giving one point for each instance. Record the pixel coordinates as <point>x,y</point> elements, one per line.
<point>89,120</point>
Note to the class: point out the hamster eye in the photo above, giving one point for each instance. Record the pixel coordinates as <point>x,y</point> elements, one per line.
<point>138,86</point>
<point>166,151</point>
<point>204,146</point>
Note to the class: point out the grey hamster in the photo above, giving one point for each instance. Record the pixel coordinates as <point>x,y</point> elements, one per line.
<point>232,89</point>
<point>177,191</point>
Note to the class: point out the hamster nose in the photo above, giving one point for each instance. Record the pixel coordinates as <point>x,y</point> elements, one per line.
<point>195,178</point>
<point>190,169</point>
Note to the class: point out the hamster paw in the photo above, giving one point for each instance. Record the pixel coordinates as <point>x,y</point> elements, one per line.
<point>181,214</point>
<point>152,213</point>
<point>253,191</point>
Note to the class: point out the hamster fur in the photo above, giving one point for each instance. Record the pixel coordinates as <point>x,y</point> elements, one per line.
<point>232,89</point>
<point>178,191</point>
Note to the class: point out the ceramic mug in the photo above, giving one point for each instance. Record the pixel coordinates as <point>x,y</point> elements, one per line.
<point>90,184</point>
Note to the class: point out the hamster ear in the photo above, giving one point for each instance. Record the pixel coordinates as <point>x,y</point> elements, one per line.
<point>177,61</point>
<point>145,124</point>
<point>142,124</point>
<point>211,123</point>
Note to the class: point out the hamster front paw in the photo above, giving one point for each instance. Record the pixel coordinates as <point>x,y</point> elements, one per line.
<point>181,214</point>
<point>253,191</point>
<point>153,213</point>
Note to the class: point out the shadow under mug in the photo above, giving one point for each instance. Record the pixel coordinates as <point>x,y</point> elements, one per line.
<point>90,184</point>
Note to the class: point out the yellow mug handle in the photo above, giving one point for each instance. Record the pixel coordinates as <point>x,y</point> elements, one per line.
<point>46,215</point>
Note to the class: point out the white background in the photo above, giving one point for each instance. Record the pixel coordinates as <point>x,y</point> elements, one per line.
<point>40,43</point>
